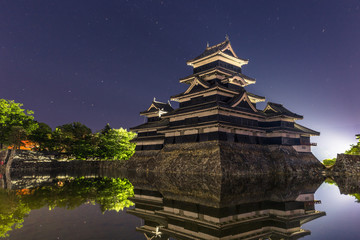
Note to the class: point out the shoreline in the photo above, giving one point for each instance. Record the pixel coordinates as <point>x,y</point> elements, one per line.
<point>213,158</point>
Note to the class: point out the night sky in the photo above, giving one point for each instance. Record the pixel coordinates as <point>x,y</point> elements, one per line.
<point>99,62</point>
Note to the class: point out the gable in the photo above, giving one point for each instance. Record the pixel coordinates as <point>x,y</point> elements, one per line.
<point>198,84</point>
<point>269,109</point>
<point>243,101</point>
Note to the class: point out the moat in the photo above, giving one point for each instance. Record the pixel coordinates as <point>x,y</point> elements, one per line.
<point>127,205</point>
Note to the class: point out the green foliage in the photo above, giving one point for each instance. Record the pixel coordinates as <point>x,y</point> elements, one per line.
<point>75,130</point>
<point>115,144</point>
<point>330,181</point>
<point>77,140</point>
<point>15,122</point>
<point>355,148</point>
<point>71,136</point>
<point>12,212</point>
<point>16,135</point>
<point>357,197</point>
<point>329,162</point>
<point>42,137</point>
<point>108,193</point>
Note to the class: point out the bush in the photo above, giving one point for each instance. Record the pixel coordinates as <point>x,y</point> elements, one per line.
<point>329,162</point>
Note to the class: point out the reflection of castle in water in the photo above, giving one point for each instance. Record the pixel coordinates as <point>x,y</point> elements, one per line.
<point>246,213</point>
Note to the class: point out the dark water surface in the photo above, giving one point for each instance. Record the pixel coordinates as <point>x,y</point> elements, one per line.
<point>131,206</point>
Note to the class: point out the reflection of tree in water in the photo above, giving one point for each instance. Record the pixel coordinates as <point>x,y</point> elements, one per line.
<point>357,196</point>
<point>109,193</point>
<point>348,185</point>
<point>12,212</point>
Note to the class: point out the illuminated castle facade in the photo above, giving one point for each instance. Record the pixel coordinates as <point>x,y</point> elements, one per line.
<point>216,106</point>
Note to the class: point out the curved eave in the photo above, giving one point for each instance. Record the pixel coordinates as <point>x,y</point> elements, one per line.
<point>250,81</point>
<point>306,130</point>
<point>216,70</point>
<point>151,125</point>
<point>247,80</point>
<point>256,99</point>
<point>239,79</point>
<point>214,88</point>
<point>145,113</point>
<point>283,116</point>
<point>235,61</point>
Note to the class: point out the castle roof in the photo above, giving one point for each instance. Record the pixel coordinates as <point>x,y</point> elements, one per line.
<point>206,106</point>
<point>224,49</point>
<point>276,109</point>
<point>255,98</point>
<point>216,106</point>
<point>306,130</point>
<point>215,86</point>
<point>158,106</point>
<point>155,124</point>
<point>218,70</point>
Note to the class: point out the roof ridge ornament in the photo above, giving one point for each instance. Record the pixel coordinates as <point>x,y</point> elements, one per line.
<point>207,44</point>
<point>227,37</point>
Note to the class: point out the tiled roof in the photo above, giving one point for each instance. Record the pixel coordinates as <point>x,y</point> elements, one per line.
<point>280,110</point>
<point>255,96</point>
<point>163,106</point>
<point>159,106</point>
<point>237,97</point>
<point>213,49</point>
<point>219,68</point>
<point>208,105</point>
<point>247,110</point>
<point>155,124</point>
<point>212,87</point>
<point>192,108</point>
<point>306,130</point>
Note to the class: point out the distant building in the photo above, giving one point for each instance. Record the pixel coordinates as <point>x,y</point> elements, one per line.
<point>216,106</point>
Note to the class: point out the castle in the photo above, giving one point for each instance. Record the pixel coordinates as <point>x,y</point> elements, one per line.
<point>216,106</point>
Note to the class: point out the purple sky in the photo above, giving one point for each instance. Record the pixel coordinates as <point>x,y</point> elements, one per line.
<point>101,62</point>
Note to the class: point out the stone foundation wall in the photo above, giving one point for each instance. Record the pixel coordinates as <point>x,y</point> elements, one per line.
<point>225,158</point>
<point>36,161</point>
<point>211,158</point>
<point>347,164</point>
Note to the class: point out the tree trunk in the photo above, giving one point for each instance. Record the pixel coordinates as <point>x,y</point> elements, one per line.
<point>8,162</point>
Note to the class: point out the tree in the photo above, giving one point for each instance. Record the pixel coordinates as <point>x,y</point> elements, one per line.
<point>75,130</point>
<point>329,162</point>
<point>12,212</point>
<point>16,135</point>
<point>42,137</point>
<point>106,129</point>
<point>115,144</point>
<point>108,193</point>
<point>74,138</point>
<point>355,148</point>
<point>14,121</point>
